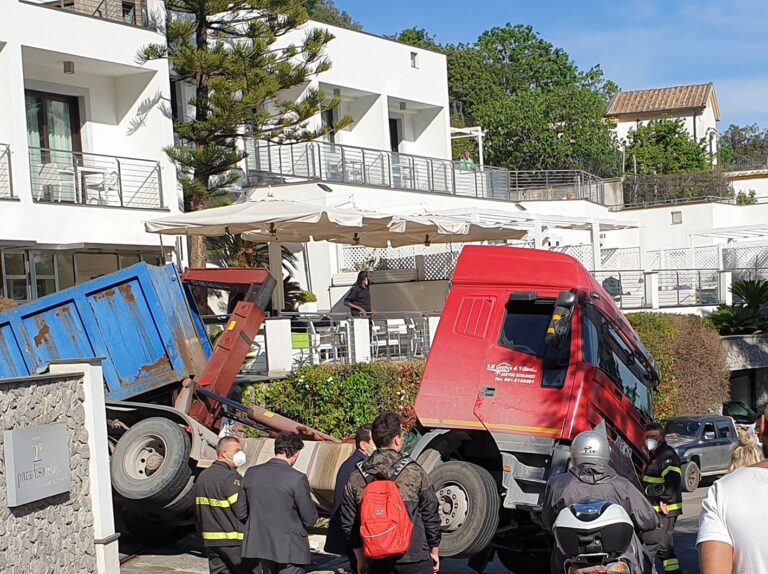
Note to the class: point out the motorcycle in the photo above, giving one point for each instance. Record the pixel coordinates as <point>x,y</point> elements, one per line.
<point>594,537</point>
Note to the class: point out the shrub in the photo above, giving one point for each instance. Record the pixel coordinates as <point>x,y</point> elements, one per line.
<point>691,359</point>
<point>732,320</point>
<point>337,399</point>
<point>753,292</point>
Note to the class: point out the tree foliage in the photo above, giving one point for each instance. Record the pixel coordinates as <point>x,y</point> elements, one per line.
<point>226,52</point>
<point>743,147</point>
<point>327,12</point>
<point>539,110</point>
<point>694,373</point>
<point>664,147</point>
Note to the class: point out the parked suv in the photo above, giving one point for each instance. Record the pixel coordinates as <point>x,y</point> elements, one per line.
<point>704,444</point>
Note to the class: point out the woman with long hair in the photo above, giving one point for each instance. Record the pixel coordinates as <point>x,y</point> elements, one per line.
<point>746,453</point>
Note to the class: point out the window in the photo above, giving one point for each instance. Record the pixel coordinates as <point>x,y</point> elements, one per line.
<point>15,274</point>
<point>328,121</point>
<point>52,121</point>
<point>709,431</point>
<point>724,430</point>
<point>677,217</point>
<point>65,268</point>
<point>683,428</point>
<point>128,260</point>
<point>604,348</point>
<point>525,326</point>
<point>45,274</point>
<point>93,265</point>
<point>414,60</point>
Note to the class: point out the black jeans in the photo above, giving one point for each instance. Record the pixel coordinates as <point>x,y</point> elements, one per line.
<point>224,559</point>
<point>392,567</point>
<point>660,543</point>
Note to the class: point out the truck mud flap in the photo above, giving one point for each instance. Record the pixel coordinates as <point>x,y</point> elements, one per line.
<point>525,484</point>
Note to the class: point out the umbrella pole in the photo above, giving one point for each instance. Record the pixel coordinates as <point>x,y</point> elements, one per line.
<point>276,268</point>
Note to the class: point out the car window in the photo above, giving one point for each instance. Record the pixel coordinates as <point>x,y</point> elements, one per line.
<point>683,428</point>
<point>735,409</point>
<point>709,428</point>
<point>525,326</point>
<point>724,430</point>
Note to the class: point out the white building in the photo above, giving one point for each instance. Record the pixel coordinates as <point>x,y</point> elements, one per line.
<point>81,137</point>
<point>695,105</point>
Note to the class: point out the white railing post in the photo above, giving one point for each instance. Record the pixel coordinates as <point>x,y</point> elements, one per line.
<point>277,333</point>
<point>361,340</point>
<point>652,290</point>
<point>726,280</point>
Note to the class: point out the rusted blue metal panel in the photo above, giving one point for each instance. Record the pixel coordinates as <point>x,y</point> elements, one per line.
<point>139,319</point>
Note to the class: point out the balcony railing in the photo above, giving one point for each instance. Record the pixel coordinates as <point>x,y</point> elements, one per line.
<point>6,184</point>
<point>60,176</point>
<point>363,166</point>
<point>132,12</point>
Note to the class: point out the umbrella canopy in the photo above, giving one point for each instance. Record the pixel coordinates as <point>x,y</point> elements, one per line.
<point>269,220</point>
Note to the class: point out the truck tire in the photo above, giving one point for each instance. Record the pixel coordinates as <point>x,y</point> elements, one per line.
<point>150,527</point>
<point>468,502</point>
<point>151,461</point>
<point>691,476</point>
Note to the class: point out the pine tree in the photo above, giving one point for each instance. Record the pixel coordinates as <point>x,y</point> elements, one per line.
<point>227,51</point>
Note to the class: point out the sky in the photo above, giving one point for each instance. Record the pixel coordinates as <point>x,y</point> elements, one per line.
<point>638,44</point>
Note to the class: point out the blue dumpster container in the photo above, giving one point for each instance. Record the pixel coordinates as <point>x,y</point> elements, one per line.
<point>141,320</point>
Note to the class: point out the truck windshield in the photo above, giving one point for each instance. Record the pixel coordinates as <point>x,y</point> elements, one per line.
<point>525,326</point>
<point>683,428</point>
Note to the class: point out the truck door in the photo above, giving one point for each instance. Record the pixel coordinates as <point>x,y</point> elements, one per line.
<point>517,394</point>
<point>725,437</point>
<point>711,455</point>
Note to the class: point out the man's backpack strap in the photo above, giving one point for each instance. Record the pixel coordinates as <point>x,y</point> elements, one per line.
<point>366,476</point>
<point>405,461</point>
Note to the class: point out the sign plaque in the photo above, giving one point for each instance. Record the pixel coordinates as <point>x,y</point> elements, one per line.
<point>36,462</point>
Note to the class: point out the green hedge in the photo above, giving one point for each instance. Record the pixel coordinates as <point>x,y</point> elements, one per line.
<point>337,399</point>
<point>694,372</point>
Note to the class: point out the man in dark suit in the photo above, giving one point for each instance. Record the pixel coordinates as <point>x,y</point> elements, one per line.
<point>336,541</point>
<point>277,504</point>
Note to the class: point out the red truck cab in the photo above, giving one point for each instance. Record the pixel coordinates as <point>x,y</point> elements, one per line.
<point>529,352</point>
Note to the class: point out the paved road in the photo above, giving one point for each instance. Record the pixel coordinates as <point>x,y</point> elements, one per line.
<point>186,556</point>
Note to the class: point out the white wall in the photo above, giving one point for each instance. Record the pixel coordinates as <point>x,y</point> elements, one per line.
<point>124,112</point>
<point>374,75</point>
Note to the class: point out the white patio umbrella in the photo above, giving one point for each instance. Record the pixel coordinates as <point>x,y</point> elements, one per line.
<point>272,220</point>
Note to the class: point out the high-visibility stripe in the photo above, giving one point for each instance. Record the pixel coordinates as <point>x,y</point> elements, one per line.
<point>671,565</point>
<point>203,501</point>
<point>670,507</point>
<point>222,535</point>
<point>491,426</point>
<point>671,469</point>
<point>653,479</point>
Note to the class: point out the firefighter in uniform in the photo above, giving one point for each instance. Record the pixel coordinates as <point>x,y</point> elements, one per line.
<point>662,480</point>
<point>216,492</point>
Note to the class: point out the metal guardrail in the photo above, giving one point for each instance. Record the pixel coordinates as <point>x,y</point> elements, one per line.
<point>626,287</point>
<point>131,12</point>
<point>689,287</point>
<point>675,201</point>
<point>60,176</point>
<point>6,182</point>
<point>364,166</point>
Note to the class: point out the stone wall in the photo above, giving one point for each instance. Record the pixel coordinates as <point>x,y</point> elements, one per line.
<point>54,534</point>
<point>746,351</point>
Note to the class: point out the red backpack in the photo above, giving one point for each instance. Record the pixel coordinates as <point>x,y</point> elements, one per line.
<point>385,525</point>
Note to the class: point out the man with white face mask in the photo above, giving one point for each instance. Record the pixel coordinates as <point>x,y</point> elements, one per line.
<point>216,493</point>
<point>662,481</point>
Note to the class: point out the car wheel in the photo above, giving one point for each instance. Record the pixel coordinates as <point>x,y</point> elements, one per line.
<point>691,476</point>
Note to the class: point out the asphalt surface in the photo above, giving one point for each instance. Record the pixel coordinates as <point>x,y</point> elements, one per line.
<point>187,557</point>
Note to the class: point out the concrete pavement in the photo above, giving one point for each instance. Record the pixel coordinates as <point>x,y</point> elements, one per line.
<point>187,557</point>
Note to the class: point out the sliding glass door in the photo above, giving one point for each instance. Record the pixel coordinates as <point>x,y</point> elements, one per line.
<point>53,132</point>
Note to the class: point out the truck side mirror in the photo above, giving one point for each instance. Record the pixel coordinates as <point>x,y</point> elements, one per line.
<point>560,325</point>
<point>709,435</point>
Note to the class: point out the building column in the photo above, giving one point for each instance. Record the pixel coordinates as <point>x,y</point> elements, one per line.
<point>279,346</point>
<point>538,233</point>
<point>651,290</point>
<point>361,340</point>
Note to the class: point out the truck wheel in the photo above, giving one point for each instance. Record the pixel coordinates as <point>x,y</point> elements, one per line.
<point>150,527</point>
<point>691,476</point>
<point>151,461</point>
<point>468,503</point>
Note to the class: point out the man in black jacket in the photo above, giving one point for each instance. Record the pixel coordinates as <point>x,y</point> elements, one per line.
<point>664,473</point>
<point>336,542</point>
<point>418,495</point>
<point>216,491</point>
<point>276,501</point>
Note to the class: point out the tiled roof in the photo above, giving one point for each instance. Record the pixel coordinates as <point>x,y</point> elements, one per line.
<point>664,100</point>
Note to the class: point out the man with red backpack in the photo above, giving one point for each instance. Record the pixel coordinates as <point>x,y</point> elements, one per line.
<point>389,510</point>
